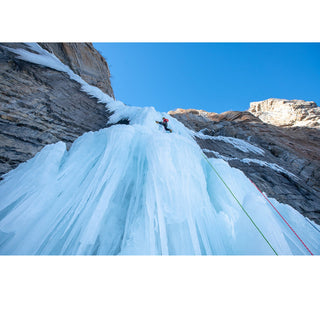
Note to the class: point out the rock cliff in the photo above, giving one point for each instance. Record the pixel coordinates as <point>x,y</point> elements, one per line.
<point>39,105</point>
<point>286,168</point>
<point>281,112</point>
<point>85,61</point>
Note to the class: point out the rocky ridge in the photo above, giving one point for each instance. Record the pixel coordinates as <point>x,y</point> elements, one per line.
<point>39,105</point>
<point>287,169</point>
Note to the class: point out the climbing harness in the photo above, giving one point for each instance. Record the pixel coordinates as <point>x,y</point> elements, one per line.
<point>244,210</point>
<point>282,217</point>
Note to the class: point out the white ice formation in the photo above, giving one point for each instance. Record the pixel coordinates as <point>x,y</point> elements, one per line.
<point>137,190</point>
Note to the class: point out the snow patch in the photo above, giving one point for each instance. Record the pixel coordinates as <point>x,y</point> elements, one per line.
<point>218,155</point>
<point>262,163</point>
<point>237,143</point>
<point>273,166</point>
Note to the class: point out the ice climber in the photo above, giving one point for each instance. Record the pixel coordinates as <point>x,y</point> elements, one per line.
<point>164,122</point>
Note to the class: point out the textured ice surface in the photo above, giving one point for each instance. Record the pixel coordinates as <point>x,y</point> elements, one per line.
<point>135,189</point>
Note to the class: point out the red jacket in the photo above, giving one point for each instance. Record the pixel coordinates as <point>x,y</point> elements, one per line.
<point>165,120</point>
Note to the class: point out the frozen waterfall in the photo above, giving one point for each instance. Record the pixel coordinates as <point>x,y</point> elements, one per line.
<point>137,190</point>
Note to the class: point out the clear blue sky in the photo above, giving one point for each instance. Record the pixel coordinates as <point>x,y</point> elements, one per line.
<point>216,77</point>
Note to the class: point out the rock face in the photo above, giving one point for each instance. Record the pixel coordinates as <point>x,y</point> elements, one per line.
<point>85,61</point>
<point>281,112</point>
<point>288,166</point>
<point>39,105</point>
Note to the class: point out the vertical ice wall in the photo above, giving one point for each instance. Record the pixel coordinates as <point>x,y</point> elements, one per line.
<point>134,189</point>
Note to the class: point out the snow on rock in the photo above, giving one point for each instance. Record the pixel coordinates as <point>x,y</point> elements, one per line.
<point>273,166</point>
<point>237,143</point>
<point>43,57</point>
<point>218,155</point>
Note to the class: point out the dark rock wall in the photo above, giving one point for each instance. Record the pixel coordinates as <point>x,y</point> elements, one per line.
<point>39,106</point>
<point>85,61</point>
<point>295,149</point>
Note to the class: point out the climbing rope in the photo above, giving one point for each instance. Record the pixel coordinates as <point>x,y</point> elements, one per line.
<point>244,210</point>
<point>282,217</point>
